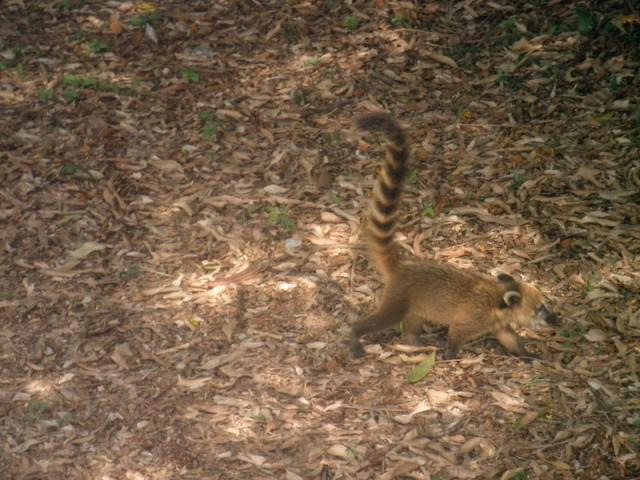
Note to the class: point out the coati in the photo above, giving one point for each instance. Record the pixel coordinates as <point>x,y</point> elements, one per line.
<point>470,304</point>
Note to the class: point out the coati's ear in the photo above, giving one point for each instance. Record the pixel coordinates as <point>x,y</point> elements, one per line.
<point>511,298</point>
<point>505,278</point>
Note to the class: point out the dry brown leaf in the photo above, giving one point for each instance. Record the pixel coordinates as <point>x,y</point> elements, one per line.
<point>271,33</point>
<point>523,46</point>
<point>151,34</point>
<point>507,402</point>
<point>528,418</point>
<point>193,383</point>
<point>224,359</point>
<point>120,354</point>
<point>257,460</point>
<point>400,470</point>
<point>166,165</point>
<point>116,26</point>
<point>86,249</point>
<point>340,451</point>
<point>487,449</point>
<point>289,475</point>
<point>440,58</point>
<point>233,114</point>
<point>595,335</point>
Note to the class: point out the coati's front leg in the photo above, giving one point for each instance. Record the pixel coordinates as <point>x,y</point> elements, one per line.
<point>388,314</point>
<point>454,341</point>
<point>411,329</point>
<point>461,333</point>
<point>512,342</point>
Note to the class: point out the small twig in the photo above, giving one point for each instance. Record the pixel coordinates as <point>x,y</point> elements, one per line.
<point>399,347</point>
<point>243,275</point>
<point>352,273</point>
<point>151,270</point>
<point>241,298</point>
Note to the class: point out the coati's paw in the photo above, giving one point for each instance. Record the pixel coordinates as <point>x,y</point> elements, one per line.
<point>357,350</point>
<point>411,340</point>
<point>441,343</point>
<point>529,357</point>
<point>450,354</point>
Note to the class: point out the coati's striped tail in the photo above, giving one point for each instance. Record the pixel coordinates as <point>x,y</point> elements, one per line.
<point>383,213</point>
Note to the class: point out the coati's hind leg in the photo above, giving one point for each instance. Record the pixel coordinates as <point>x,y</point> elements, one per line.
<point>387,314</point>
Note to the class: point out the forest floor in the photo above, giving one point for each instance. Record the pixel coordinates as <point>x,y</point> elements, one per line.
<point>180,230</point>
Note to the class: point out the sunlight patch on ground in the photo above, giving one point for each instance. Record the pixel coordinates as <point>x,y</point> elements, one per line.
<point>41,386</point>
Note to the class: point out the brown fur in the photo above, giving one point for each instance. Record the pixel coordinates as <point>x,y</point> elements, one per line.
<point>470,304</point>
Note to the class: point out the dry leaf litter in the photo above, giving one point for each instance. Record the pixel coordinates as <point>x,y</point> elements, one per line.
<point>180,212</point>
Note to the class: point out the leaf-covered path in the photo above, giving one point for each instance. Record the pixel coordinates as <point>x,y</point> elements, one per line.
<point>180,209</point>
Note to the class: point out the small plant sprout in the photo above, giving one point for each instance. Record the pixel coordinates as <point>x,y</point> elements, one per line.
<point>190,75</point>
<point>280,216</point>
<point>400,21</point>
<point>351,22</point>
<point>429,211</point>
<point>45,94</point>
<point>98,46</point>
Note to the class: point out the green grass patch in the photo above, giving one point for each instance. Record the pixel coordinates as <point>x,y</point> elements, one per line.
<point>464,54</point>
<point>65,419</point>
<point>509,80</point>
<point>20,71</point>
<point>559,28</point>
<point>523,475</point>
<point>292,32</point>
<point>98,46</point>
<point>212,125</point>
<point>428,212</point>
<point>73,85</point>
<point>190,75</point>
<point>132,271</point>
<point>510,32</point>
<point>310,62</point>
<point>69,5</point>
<point>351,22</point>
<point>334,198</point>
<point>400,21</point>
<point>636,116</point>
<point>45,94</point>
<point>74,81</point>
<point>78,35</point>
<point>301,96</point>
<point>586,20</point>
<point>146,19</point>
<point>280,216</point>
<point>71,95</point>
<point>37,411</point>
<point>70,169</point>
<point>518,181</point>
